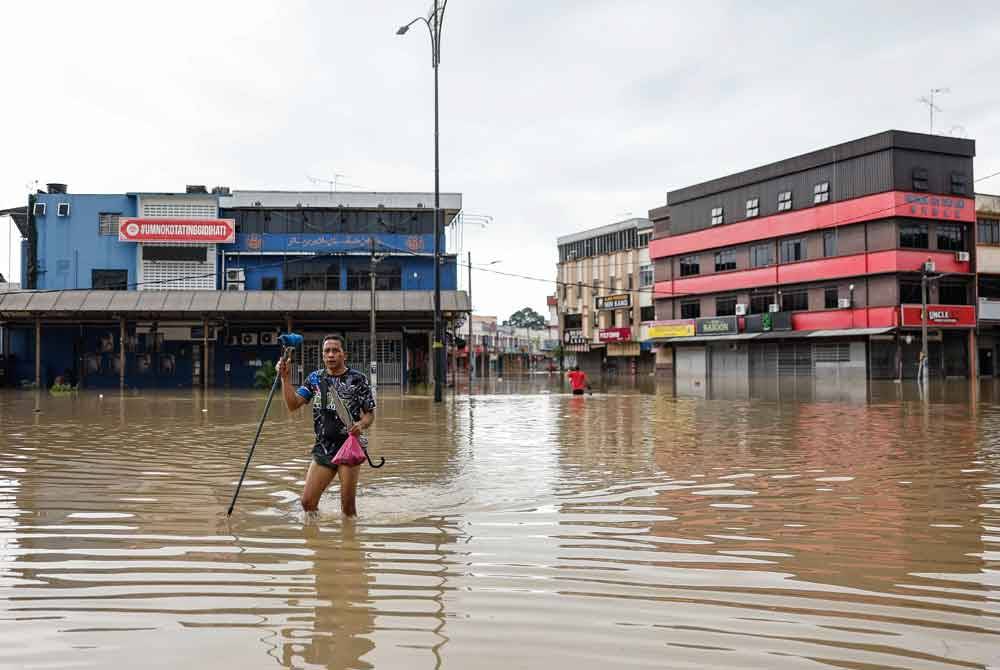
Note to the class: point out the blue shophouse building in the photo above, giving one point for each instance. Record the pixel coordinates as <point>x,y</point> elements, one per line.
<point>192,289</point>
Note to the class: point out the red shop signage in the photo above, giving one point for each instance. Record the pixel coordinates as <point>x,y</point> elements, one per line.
<point>614,334</point>
<point>177,230</point>
<point>940,316</point>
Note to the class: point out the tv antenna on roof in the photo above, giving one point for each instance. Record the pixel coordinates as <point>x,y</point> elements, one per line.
<point>931,107</point>
<point>331,182</point>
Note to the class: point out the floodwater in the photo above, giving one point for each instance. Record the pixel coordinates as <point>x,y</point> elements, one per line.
<point>521,528</point>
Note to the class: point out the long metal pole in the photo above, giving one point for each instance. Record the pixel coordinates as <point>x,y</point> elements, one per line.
<point>468,345</point>
<point>439,362</point>
<point>923,327</point>
<point>286,354</point>
<point>372,347</point>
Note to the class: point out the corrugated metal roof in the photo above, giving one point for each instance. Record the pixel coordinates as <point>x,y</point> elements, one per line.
<point>71,302</point>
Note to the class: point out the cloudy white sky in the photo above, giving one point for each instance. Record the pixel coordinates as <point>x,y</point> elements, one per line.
<point>556,116</point>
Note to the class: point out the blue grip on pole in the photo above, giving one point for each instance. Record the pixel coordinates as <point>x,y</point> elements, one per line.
<point>290,339</point>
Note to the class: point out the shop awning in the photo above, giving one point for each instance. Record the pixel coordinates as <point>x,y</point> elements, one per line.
<point>786,334</point>
<point>851,332</point>
<point>710,338</point>
<point>195,304</point>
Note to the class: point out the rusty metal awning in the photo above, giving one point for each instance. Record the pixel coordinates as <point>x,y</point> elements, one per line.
<point>90,304</point>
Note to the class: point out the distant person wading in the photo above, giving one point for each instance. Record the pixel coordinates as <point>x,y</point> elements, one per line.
<point>578,380</point>
<point>356,394</point>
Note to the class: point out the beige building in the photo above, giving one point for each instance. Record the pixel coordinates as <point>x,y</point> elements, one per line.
<point>605,293</point>
<point>988,282</point>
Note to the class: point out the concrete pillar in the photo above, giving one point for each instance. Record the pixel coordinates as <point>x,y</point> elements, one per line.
<point>38,353</point>
<point>204,354</point>
<point>121,357</point>
<point>430,357</point>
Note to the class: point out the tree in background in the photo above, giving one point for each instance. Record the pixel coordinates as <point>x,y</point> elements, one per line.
<point>525,318</point>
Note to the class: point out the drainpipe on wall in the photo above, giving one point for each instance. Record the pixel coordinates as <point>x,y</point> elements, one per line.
<point>32,245</point>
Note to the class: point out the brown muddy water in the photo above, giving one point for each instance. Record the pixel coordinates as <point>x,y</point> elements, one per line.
<point>521,528</point>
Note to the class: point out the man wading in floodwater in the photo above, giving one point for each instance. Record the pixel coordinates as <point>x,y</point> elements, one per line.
<point>356,393</point>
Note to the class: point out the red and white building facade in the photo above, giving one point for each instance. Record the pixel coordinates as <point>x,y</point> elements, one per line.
<point>811,266</point>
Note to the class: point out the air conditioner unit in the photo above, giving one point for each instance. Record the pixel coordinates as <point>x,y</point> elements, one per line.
<point>236,286</point>
<point>38,209</point>
<point>233,340</point>
<point>962,256</point>
<point>268,338</point>
<point>62,209</point>
<point>774,307</point>
<point>248,339</point>
<point>843,303</point>
<point>235,274</point>
<point>741,309</point>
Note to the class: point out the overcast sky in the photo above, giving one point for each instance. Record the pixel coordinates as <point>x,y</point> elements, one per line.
<point>556,116</point>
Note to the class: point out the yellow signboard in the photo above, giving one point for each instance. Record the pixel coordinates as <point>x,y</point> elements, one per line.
<point>671,330</point>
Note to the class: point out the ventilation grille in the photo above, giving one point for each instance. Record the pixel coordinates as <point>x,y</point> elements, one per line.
<point>183,211</point>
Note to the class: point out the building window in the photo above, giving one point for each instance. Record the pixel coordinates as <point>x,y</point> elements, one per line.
<point>761,304</point>
<point>647,313</point>
<point>312,275</point>
<point>725,260</point>
<point>761,255</point>
<point>725,306</point>
<point>913,235</point>
<point>164,254</point>
<point>821,192</point>
<point>784,201</point>
<point>910,292</point>
<point>989,231</point>
<point>952,294</point>
<point>793,250</point>
<point>109,280</point>
<point>108,223</point>
<point>691,309</point>
<point>689,266</point>
<point>829,243</point>
<point>831,295</point>
<point>269,284</point>
<point>753,207</point>
<point>572,321</point>
<point>959,183</point>
<point>716,216</point>
<point>646,275</point>
<point>950,237</point>
<point>794,301</point>
<point>920,182</point>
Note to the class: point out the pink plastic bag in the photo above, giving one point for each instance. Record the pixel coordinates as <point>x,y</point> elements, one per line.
<point>350,453</point>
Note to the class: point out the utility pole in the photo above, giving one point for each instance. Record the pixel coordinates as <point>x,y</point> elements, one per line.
<point>372,346</point>
<point>922,372</point>
<point>468,345</point>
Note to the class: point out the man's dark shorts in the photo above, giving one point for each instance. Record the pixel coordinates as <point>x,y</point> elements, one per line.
<point>323,457</point>
<point>577,391</point>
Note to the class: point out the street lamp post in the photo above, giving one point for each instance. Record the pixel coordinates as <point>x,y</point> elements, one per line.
<point>434,22</point>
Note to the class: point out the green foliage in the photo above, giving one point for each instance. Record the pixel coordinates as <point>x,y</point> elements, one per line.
<point>58,389</point>
<point>264,377</point>
<point>525,318</point>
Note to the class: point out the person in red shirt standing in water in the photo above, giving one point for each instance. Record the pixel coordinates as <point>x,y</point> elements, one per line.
<point>578,380</point>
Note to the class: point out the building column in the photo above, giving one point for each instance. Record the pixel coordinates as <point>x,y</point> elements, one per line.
<point>973,355</point>
<point>430,357</point>
<point>121,356</point>
<point>204,354</point>
<point>38,353</point>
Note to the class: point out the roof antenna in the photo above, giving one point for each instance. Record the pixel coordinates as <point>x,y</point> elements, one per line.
<point>931,107</point>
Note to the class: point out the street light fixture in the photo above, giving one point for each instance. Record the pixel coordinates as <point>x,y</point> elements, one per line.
<point>434,21</point>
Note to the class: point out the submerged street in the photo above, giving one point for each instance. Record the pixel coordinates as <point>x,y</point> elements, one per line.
<point>521,527</point>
